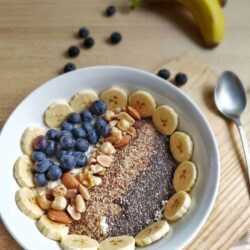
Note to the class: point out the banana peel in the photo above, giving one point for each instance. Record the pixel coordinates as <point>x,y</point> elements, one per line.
<point>208,16</point>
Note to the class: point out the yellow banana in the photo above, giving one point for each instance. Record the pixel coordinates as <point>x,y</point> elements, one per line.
<point>207,14</point>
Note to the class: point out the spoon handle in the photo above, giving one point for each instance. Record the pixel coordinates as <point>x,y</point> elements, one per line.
<point>245,146</point>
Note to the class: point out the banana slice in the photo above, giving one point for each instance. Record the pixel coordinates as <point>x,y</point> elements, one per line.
<point>177,206</point>
<point>56,114</point>
<point>27,138</point>
<point>26,201</point>
<point>23,171</point>
<point>143,102</point>
<point>152,233</point>
<point>123,242</point>
<point>165,119</point>
<point>181,146</point>
<point>50,229</point>
<point>83,100</point>
<point>114,97</point>
<point>185,176</point>
<point>78,242</point>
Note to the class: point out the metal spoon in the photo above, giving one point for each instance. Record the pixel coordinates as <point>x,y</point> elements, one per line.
<point>230,99</point>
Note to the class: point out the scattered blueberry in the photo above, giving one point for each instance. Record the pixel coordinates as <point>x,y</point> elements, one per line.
<point>86,116</point>
<point>88,42</point>
<point>68,162</point>
<point>50,149</point>
<point>115,37</point>
<point>38,156</point>
<point>98,107</point>
<point>52,134</point>
<point>62,133</point>
<point>67,126</point>
<point>81,159</point>
<point>181,79</point>
<point>92,136</point>
<point>102,127</point>
<point>79,132</point>
<point>67,142</point>
<point>164,74</point>
<point>73,51</point>
<point>40,179</point>
<point>74,118</point>
<point>69,67</point>
<point>42,166</point>
<point>54,172</point>
<point>40,143</point>
<point>82,145</point>
<point>87,126</point>
<point>83,32</point>
<point>110,11</point>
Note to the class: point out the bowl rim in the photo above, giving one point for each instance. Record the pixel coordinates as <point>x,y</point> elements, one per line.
<point>178,92</point>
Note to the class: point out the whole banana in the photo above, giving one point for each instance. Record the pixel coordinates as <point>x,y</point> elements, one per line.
<point>208,16</point>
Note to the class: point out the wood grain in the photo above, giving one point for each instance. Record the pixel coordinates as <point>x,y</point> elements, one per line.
<point>35,34</point>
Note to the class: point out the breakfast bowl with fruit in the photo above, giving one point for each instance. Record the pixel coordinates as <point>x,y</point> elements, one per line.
<point>107,158</point>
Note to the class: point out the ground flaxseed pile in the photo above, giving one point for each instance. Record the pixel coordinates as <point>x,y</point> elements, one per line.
<point>132,189</point>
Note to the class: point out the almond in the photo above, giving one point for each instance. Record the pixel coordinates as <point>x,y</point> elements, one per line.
<point>59,216</point>
<point>84,192</point>
<point>123,142</point>
<point>80,204</point>
<point>59,190</point>
<point>104,160</point>
<point>69,180</point>
<point>133,112</point>
<point>71,193</point>
<point>73,212</point>
<point>43,202</point>
<point>126,116</point>
<point>110,139</point>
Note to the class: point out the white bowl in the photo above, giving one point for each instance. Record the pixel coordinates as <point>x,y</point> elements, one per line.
<point>191,120</point>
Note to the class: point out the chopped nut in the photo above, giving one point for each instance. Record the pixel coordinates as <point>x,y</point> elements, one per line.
<point>43,202</point>
<point>88,180</point>
<point>116,133</point>
<point>80,204</point>
<point>107,148</point>
<point>126,116</point>
<point>79,177</point>
<point>113,123</point>
<point>73,212</point>
<point>125,141</point>
<point>92,160</point>
<point>59,190</point>
<point>131,131</point>
<point>117,110</point>
<point>133,112</point>
<point>59,203</point>
<point>123,125</point>
<point>109,115</point>
<point>71,193</point>
<point>104,160</point>
<point>96,168</point>
<point>97,180</point>
<point>84,192</point>
<point>102,172</point>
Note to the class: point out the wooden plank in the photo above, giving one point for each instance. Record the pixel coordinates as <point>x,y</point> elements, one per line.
<point>229,219</point>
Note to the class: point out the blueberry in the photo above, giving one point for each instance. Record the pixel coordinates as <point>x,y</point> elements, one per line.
<point>86,116</point>
<point>164,74</point>
<point>98,107</point>
<point>64,132</point>
<point>81,159</point>
<point>87,126</point>
<point>82,145</point>
<point>110,11</point>
<point>115,37</point>
<point>54,172</point>
<point>42,166</point>
<point>40,179</point>
<point>67,126</point>
<point>68,162</point>
<point>52,134</point>
<point>73,51</point>
<point>79,132</point>
<point>102,127</point>
<point>60,152</point>
<point>69,67</point>
<point>74,118</point>
<point>40,143</point>
<point>83,32</point>
<point>89,42</point>
<point>92,136</point>
<point>38,156</point>
<point>67,142</point>
<point>50,149</point>
<point>181,79</point>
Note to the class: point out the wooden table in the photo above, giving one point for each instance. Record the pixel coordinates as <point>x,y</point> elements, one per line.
<point>34,36</point>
